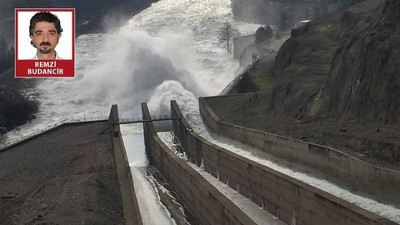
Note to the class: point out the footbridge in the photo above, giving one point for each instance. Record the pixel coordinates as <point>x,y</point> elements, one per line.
<point>141,120</point>
<point>218,186</point>
<point>282,199</point>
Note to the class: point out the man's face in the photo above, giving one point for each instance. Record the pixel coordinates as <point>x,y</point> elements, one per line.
<point>45,37</point>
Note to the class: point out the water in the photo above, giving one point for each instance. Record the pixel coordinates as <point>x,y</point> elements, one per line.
<point>168,51</point>
<point>171,46</point>
<point>384,210</point>
<point>132,135</point>
<point>387,211</point>
<point>151,209</point>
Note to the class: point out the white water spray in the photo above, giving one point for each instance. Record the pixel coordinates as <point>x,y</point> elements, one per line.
<point>173,40</point>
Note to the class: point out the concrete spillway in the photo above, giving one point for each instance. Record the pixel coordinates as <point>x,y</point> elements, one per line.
<point>273,190</point>
<point>151,209</point>
<point>150,206</point>
<point>321,162</point>
<point>256,213</point>
<point>209,203</point>
<point>66,175</point>
<point>217,185</point>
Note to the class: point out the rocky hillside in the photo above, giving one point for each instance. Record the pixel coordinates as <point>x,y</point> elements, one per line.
<point>364,78</point>
<point>335,82</point>
<point>344,65</point>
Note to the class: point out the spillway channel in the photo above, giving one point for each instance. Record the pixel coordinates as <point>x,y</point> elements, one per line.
<point>153,212</point>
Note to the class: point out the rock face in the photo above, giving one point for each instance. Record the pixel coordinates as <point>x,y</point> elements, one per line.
<point>364,80</point>
<point>345,65</point>
<point>303,63</point>
<point>336,82</point>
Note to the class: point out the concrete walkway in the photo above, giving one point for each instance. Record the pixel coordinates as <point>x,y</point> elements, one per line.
<point>66,176</point>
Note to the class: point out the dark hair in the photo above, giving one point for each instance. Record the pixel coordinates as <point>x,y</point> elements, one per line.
<point>44,17</point>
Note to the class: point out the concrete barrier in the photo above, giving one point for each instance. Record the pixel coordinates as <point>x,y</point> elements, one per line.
<point>291,200</point>
<point>47,130</point>
<point>240,43</point>
<point>378,181</point>
<point>130,204</point>
<point>206,202</point>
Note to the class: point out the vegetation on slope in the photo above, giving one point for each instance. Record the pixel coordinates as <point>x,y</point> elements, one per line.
<point>335,82</point>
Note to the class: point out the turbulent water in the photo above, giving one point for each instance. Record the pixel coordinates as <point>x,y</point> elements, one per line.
<point>168,51</point>
<point>151,209</point>
<point>385,210</point>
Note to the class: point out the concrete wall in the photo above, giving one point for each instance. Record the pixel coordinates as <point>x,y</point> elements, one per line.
<point>237,107</point>
<point>352,171</point>
<point>277,193</point>
<point>240,43</point>
<point>129,200</point>
<point>205,202</point>
<point>46,131</point>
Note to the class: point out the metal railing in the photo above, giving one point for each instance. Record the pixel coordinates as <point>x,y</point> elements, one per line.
<point>8,144</point>
<point>141,120</point>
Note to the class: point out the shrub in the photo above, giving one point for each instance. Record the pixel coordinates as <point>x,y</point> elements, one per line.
<point>263,34</point>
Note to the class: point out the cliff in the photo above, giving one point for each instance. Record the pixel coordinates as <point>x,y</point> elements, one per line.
<point>344,65</point>
<point>364,81</point>
<point>335,82</point>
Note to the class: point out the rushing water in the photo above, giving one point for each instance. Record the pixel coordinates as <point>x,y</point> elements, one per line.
<point>151,209</point>
<point>385,210</point>
<point>171,46</point>
<point>168,51</point>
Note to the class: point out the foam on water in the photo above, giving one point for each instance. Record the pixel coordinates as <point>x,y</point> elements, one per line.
<point>387,211</point>
<point>168,51</point>
<point>173,40</point>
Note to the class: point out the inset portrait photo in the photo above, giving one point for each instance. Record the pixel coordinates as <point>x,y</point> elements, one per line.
<point>45,41</point>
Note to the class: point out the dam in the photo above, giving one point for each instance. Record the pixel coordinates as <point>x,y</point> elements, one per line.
<point>84,171</point>
<point>211,183</point>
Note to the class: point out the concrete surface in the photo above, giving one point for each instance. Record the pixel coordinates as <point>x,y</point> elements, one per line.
<point>381,182</point>
<point>129,200</point>
<point>277,193</point>
<point>65,176</point>
<point>206,202</point>
<point>248,207</point>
